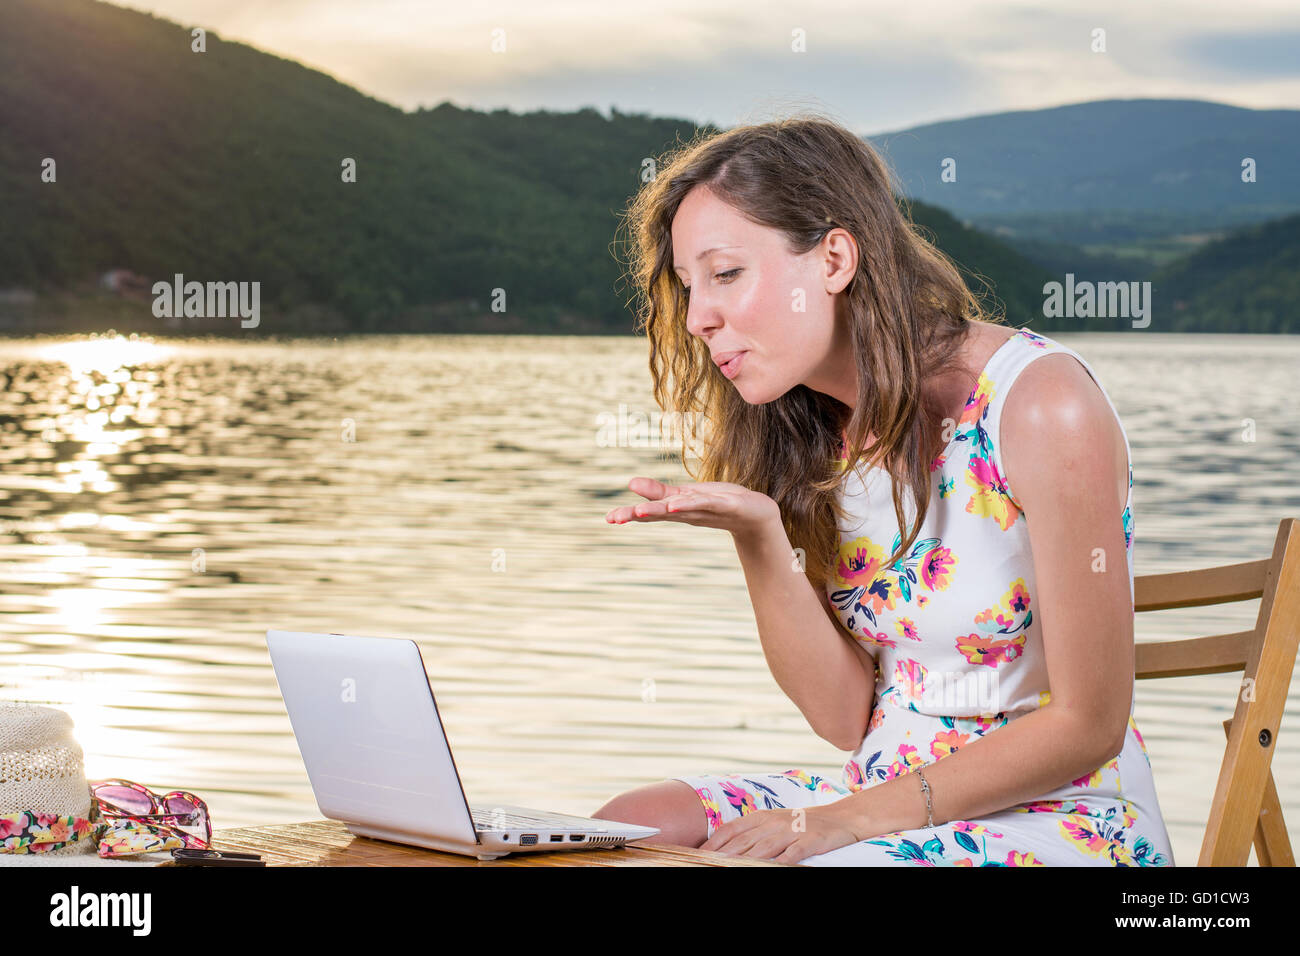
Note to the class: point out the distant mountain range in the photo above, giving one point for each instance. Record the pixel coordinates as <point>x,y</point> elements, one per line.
<point>1150,167</point>
<point>227,165</point>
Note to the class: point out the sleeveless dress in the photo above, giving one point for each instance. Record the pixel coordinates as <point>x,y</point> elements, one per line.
<point>958,650</point>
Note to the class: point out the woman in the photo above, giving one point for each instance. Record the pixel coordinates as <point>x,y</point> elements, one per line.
<point>978,663</point>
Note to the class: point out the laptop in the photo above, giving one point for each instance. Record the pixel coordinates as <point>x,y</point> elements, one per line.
<point>378,759</point>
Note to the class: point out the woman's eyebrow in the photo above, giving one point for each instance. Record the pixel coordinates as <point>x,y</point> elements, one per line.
<point>707,251</point>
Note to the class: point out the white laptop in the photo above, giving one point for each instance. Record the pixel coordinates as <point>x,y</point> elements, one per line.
<point>378,760</point>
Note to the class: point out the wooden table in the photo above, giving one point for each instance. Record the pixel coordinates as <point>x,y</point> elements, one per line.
<point>328,843</point>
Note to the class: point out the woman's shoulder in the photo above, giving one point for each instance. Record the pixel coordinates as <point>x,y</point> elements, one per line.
<point>1055,415</point>
<point>1032,376</point>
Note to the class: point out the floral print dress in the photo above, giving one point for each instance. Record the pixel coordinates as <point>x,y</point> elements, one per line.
<point>953,629</point>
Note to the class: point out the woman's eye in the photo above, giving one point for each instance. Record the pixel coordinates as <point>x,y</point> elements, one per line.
<point>730,272</point>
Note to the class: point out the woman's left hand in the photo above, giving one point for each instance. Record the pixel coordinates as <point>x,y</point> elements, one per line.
<point>786,836</point>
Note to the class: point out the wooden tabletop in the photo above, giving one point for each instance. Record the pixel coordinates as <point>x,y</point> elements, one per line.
<point>328,843</point>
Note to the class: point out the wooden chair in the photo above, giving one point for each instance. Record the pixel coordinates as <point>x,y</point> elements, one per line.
<point>1245,805</point>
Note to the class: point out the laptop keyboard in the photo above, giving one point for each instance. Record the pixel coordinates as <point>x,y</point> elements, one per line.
<point>508,820</point>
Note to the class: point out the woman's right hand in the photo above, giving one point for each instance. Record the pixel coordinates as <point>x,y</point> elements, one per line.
<point>708,504</point>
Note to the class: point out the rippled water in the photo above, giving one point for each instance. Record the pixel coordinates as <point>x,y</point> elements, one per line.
<point>163,503</point>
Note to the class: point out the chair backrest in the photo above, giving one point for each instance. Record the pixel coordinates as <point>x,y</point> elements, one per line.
<point>1245,805</point>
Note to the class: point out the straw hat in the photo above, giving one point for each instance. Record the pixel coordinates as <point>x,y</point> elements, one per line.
<point>41,767</point>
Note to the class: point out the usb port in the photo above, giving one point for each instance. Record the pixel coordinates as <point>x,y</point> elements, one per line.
<point>528,839</point>
<point>557,837</point>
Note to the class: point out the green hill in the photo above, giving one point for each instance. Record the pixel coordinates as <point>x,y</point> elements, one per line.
<point>1248,281</point>
<point>227,164</point>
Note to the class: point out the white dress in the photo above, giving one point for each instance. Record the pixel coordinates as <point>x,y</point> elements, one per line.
<point>953,628</point>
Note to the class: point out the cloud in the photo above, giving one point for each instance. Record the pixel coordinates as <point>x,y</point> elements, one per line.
<point>878,68</point>
<point>1264,55</point>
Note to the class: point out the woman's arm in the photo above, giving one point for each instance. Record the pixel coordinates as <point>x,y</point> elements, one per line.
<point>1063,454</point>
<point>809,655</point>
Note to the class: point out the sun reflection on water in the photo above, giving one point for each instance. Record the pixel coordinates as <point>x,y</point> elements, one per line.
<point>104,406</point>
<point>105,354</point>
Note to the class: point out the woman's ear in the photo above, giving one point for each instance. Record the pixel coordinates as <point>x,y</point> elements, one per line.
<point>841,256</point>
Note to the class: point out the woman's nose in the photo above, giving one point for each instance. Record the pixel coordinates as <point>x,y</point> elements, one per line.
<point>700,317</point>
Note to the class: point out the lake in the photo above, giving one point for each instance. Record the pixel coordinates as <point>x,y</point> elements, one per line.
<point>164,502</point>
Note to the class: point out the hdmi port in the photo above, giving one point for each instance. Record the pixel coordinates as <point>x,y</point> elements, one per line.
<point>576,837</point>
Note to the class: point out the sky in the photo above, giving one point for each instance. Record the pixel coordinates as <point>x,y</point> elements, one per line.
<point>876,67</point>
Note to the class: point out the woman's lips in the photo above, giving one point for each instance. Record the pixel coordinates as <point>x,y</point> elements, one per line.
<point>732,368</point>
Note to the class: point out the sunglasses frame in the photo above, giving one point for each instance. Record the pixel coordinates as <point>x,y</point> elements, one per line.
<point>111,812</point>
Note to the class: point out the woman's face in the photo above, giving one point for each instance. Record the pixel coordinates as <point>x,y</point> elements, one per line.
<point>748,293</point>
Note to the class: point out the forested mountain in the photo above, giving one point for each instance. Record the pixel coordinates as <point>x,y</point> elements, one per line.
<point>1246,282</point>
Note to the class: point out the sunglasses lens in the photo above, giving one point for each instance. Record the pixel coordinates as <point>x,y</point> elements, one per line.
<point>125,798</point>
<point>183,806</point>
<point>196,821</point>
<point>178,804</point>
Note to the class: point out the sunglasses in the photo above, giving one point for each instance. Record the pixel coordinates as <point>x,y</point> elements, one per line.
<point>166,814</point>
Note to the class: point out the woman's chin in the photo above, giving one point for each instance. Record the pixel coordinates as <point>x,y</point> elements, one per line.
<point>757,395</point>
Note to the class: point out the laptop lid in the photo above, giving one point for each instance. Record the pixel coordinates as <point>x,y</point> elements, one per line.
<point>368,729</point>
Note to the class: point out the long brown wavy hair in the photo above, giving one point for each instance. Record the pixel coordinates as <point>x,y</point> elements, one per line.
<point>907,307</point>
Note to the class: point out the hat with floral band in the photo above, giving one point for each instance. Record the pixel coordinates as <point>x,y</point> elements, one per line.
<point>45,800</point>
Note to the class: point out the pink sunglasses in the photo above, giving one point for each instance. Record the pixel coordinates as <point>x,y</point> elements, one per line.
<point>165,814</point>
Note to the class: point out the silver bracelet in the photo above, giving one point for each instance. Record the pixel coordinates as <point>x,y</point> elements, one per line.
<point>929,808</point>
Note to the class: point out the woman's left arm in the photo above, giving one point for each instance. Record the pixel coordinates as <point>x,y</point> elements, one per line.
<point>1063,454</point>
